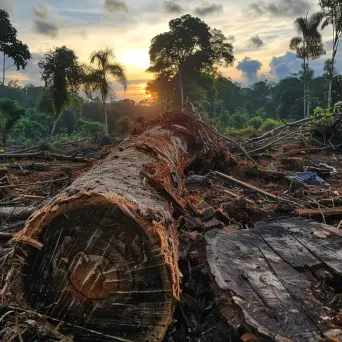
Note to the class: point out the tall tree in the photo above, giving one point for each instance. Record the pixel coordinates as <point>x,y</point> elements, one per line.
<point>63,76</point>
<point>11,48</point>
<point>97,80</point>
<point>10,113</point>
<point>308,47</point>
<point>332,16</point>
<point>189,46</point>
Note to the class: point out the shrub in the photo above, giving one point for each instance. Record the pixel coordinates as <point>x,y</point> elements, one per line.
<point>89,128</point>
<point>256,122</point>
<point>125,125</point>
<point>270,124</point>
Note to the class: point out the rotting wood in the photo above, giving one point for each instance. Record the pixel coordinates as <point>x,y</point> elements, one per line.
<point>16,213</point>
<point>104,253</point>
<point>269,271</point>
<point>293,164</point>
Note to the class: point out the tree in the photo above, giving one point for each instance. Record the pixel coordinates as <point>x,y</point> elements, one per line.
<point>63,76</point>
<point>332,16</point>
<point>11,47</point>
<point>10,113</point>
<point>308,47</point>
<point>46,106</point>
<point>125,125</point>
<point>97,79</point>
<point>189,47</point>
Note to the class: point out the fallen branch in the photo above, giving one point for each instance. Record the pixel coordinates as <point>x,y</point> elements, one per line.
<point>30,184</point>
<point>43,155</point>
<point>272,132</point>
<point>16,212</point>
<point>254,188</point>
<point>28,166</point>
<point>319,212</point>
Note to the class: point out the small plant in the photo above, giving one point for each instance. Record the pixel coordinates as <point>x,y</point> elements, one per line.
<point>270,124</point>
<point>44,146</point>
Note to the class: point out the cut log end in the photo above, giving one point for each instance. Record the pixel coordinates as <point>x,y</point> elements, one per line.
<point>101,269</point>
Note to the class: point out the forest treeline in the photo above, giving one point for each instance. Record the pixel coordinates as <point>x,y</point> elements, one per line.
<point>78,100</point>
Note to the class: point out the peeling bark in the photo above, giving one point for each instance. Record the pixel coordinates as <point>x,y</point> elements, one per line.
<point>103,254</point>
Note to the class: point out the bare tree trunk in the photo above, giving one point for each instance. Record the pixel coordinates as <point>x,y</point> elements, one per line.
<point>304,98</point>
<point>181,87</point>
<point>3,69</point>
<point>330,94</point>
<point>308,99</point>
<point>54,128</point>
<point>106,117</point>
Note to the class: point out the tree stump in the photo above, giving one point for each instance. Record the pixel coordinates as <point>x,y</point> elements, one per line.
<point>293,164</point>
<point>100,258</point>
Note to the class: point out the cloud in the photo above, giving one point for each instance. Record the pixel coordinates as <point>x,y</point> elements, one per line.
<point>283,66</point>
<point>8,6</point>
<point>231,38</point>
<point>43,23</point>
<point>250,69</point>
<point>115,6</point>
<point>172,7</point>
<point>255,42</point>
<point>42,11</point>
<point>281,8</point>
<point>208,9</point>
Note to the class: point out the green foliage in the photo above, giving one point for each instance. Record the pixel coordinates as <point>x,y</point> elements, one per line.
<point>125,125</point>
<point>256,122</point>
<point>10,46</point>
<point>96,80</point>
<point>10,113</point>
<point>89,128</point>
<point>240,118</point>
<point>44,145</point>
<point>188,48</point>
<point>270,124</point>
<point>63,76</point>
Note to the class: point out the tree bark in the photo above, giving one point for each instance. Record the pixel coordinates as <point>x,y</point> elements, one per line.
<point>103,255</point>
<point>329,94</point>
<point>54,127</point>
<point>305,93</point>
<point>3,69</point>
<point>308,99</point>
<point>106,117</point>
<point>181,87</point>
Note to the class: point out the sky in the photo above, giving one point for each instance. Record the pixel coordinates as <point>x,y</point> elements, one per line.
<point>260,31</point>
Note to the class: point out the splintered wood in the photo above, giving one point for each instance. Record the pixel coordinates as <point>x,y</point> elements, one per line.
<point>103,254</point>
<point>274,273</point>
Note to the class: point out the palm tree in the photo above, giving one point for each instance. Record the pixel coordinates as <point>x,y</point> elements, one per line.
<point>97,79</point>
<point>332,16</point>
<point>308,47</point>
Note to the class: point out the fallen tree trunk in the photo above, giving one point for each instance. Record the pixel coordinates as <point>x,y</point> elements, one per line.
<point>101,259</point>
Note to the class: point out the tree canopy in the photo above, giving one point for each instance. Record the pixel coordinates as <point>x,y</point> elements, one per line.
<point>10,113</point>
<point>97,80</point>
<point>63,76</point>
<point>190,47</point>
<point>12,49</point>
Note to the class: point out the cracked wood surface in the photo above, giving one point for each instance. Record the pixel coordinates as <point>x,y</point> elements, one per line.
<point>269,272</point>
